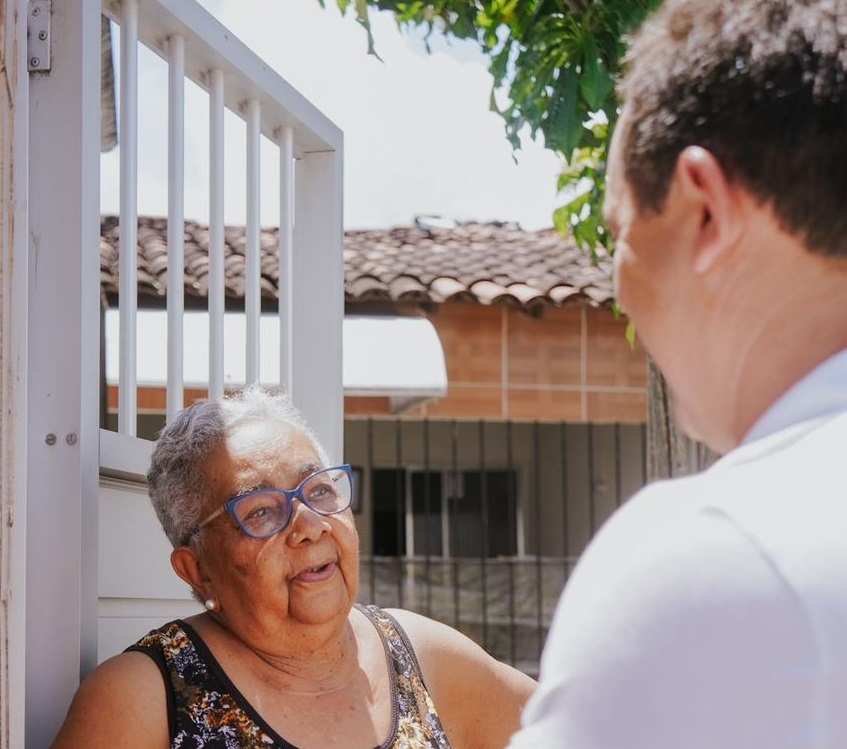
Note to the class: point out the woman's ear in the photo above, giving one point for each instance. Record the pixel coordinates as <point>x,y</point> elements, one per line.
<point>705,181</point>
<point>186,563</point>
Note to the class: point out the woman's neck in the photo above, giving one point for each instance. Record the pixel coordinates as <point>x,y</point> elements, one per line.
<point>322,660</point>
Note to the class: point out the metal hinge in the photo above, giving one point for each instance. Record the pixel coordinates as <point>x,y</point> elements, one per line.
<point>38,36</point>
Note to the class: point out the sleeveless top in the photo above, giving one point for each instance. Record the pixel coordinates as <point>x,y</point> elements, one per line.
<point>206,710</point>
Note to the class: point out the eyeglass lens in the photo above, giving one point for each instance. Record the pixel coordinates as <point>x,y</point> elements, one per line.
<point>263,513</point>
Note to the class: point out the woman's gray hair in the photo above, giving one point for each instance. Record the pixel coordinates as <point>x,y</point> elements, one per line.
<point>177,481</point>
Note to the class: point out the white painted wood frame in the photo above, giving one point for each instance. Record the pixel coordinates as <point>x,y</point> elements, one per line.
<point>14,281</point>
<point>83,486</point>
<point>63,369</point>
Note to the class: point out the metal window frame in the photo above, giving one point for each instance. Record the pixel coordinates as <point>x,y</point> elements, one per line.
<point>447,476</point>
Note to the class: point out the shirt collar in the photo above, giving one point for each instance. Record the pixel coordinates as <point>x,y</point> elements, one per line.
<point>822,391</point>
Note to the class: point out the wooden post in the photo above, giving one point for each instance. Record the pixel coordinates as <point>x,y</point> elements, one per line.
<point>670,452</point>
<point>13,304</point>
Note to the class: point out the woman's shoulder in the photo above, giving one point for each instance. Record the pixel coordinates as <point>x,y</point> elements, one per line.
<point>130,667</point>
<point>121,702</point>
<point>466,682</point>
<point>174,634</point>
<point>441,649</point>
<point>431,636</point>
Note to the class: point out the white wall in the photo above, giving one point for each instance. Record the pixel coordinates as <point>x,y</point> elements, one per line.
<point>138,590</point>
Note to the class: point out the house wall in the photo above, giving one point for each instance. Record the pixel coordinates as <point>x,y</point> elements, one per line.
<point>561,364</point>
<point>137,588</point>
<point>565,364</point>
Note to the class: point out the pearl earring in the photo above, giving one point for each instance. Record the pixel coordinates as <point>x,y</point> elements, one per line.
<point>210,604</point>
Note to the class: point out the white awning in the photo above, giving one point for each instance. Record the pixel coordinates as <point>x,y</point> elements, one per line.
<point>396,357</point>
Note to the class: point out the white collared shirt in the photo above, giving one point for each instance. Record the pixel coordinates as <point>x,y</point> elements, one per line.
<point>711,612</point>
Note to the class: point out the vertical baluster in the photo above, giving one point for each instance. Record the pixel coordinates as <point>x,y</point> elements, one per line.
<point>511,564</point>
<point>176,220</point>
<point>285,251</point>
<point>369,471</point>
<point>216,234</point>
<point>592,499</point>
<point>128,285</point>
<point>539,575</point>
<point>454,463</point>
<point>618,471</point>
<point>252,269</point>
<point>427,519</point>
<point>483,553</point>
<point>400,514</point>
<point>563,459</point>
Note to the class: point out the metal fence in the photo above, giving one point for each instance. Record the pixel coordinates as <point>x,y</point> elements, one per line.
<point>479,523</point>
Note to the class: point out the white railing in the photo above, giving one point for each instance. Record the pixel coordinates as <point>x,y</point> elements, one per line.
<point>197,47</point>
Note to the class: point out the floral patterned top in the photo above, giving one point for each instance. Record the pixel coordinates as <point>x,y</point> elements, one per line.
<point>206,710</point>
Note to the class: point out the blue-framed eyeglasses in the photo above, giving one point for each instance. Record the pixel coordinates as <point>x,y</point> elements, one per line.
<point>264,512</point>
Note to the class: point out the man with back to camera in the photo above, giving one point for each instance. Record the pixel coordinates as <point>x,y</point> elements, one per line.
<point>711,611</point>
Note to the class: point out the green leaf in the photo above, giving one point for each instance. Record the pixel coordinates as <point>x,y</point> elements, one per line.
<point>563,128</point>
<point>630,334</point>
<point>553,62</point>
<point>364,20</point>
<point>562,220</point>
<point>595,83</point>
<point>499,65</point>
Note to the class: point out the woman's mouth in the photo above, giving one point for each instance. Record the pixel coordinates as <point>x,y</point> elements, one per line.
<point>317,574</point>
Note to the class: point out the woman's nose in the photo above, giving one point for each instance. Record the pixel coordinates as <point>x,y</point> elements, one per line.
<point>306,524</point>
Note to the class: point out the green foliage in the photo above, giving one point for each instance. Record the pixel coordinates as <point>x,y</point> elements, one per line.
<point>584,179</point>
<point>554,63</point>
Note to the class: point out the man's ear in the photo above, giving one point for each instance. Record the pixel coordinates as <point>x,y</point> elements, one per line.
<point>704,180</point>
<point>186,563</point>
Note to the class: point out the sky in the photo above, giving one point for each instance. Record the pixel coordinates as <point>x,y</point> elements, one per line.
<point>418,134</point>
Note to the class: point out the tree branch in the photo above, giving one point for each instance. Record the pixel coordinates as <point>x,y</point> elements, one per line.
<point>577,7</point>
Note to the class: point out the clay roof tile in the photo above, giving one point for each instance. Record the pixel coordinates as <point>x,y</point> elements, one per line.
<point>482,263</point>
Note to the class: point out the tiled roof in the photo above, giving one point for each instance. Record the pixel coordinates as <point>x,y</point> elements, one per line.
<point>483,263</point>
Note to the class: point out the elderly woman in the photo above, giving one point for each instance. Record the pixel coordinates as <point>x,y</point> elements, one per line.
<point>282,657</point>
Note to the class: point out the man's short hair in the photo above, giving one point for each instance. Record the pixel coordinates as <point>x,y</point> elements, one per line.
<point>762,85</point>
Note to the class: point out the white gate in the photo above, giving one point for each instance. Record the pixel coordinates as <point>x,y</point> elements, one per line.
<point>85,563</point>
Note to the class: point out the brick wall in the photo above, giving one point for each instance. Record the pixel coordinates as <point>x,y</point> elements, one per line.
<point>567,364</point>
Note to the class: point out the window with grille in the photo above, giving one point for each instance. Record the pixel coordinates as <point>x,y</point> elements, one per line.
<point>467,513</point>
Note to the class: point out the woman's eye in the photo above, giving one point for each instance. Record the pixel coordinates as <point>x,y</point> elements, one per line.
<point>258,510</point>
<point>322,493</point>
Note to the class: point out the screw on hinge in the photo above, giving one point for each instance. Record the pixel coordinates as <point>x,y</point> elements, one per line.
<point>50,439</point>
<point>38,36</point>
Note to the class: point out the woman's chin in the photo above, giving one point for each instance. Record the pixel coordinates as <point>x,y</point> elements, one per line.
<point>314,606</point>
